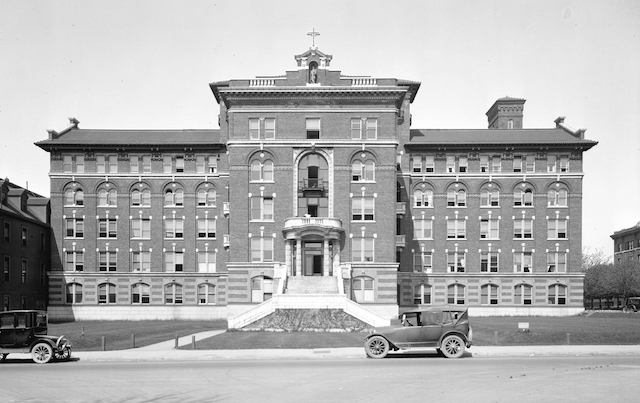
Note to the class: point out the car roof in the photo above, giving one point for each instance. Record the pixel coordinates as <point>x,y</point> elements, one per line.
<point>442,308</point>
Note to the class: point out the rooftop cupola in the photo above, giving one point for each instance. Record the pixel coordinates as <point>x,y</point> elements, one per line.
<point>313,60</point>
<point>506,113</point>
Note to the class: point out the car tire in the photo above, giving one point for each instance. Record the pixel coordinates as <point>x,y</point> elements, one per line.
<point>3,357</point>
<point>376,347</point>
<point>452,347</point>
<point>41,353</point>
<point>63,355</point>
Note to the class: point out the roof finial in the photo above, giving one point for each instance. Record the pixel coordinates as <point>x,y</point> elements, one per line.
<point>313,35</point>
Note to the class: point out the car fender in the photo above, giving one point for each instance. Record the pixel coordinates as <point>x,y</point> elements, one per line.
<point>392,346</point>
<point>43,340</point>
<point>453,333</point>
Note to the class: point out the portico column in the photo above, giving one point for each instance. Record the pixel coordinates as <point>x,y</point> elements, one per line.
<point>336,256</point>
<point>287,256</point>
<point>326,259</point>
<point>298,257</point>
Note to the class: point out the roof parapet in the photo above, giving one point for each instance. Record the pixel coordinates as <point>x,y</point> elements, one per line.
<point>577,133</point>
<point>73,124</point>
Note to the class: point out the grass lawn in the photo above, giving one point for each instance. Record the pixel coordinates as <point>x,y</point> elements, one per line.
<point>598,328</point>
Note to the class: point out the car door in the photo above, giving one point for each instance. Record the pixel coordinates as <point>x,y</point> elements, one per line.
<point>7,334</point>
<point>431,328</point>
<point>410,330</point>
<point>22,330</point>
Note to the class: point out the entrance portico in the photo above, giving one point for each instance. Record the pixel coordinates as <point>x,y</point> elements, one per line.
<point>312,245</point>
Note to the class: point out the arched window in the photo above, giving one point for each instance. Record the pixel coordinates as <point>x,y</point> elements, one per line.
<point>261,288</point>
<point>74,293</point>
<point>557,294</point>
<point>363,289</point>
<point>456,198</point>
<point>174,197</point>
<point>206,294</point>
<point>206,197</point>
<point>262,171</point>
<point>140,293</point>
<point>363,171</point>
<point>489,197</point>
<point>456,294</point>
<point>106,293</point>
<point>173,294</point>
<point>423,198</point>
<point>107,197</point>
<point>489,294</point>
<point>557,198</point>
<point>141,197</point>
<point>422,294</point>
<point>74,197</point>
<point>523,197</point>
<point>523,294</point>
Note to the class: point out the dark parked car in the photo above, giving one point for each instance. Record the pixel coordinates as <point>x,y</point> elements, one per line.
<point>445,328</point>
<point>26,332</point>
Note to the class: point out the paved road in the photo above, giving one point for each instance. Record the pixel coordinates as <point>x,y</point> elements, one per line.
<point>422,377</point>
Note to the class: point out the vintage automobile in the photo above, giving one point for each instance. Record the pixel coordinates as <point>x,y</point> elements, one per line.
<point>444,328</point>
<point>26,332</point>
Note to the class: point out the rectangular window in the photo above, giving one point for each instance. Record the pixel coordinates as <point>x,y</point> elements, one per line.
<point>174,228</point>
<point>262,208</point>
<point>269,128</point>
<point>141,261</point>
<point>261,249</point>
<point>517,163</point>
<point>146,164</point>
<point>113,164</point>
<point>206,228</point>
<point>551,163</point>
<point>362,249</point>
<point>107,228</point>
<point>422,262</point>
<point>417,163</point>
<point>456,262</point>
<point>254,128</point>
<point>429,163</point>
<point>200,164</point>
<point>523,229</point>
<point>531,163</point>
<point>522,262</point>
<point>456,229</point>
<point>489,262</point>
<point>362,209</point>
<point>451,164</point>
<point>206,262</point>
<point>173,261</point>
<point>371,127</point>
<point>167,164</point>
<point>23,271</point>
<point>74,261</point>
<point>356,128</point>
<point>74,227</point>
<point>484,163</point>
<point>213,164</point>
<point>107,261</point>
<point>43,241</point>
<point>179,163</point>
<point>489,295</point>
<point>43,274</point>
<point>101,164</point>
<point>496,163</point>
<point>140,228</point>
<point>134,164</point>
<point>79,159</point>
<point>24,236</point>
<point>556,262</point>
<point>313,128</point>
<point>489,229</point>
<point>462,164</point>
<point>106,293</point>
<point>6,234</point>
<point>6,268</point>
<point>423,229</point>
<point>557,229</point>
<point>67,163</point>
<point>564,164</point>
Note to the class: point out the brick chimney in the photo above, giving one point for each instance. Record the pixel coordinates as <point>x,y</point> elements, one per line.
<point>506,113</point>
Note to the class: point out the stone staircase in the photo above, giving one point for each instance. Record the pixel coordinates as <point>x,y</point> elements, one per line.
<point>312,285</point>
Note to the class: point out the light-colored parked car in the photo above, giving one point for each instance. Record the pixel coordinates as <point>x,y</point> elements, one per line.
<point>444,328</point>
<point>26,332</point>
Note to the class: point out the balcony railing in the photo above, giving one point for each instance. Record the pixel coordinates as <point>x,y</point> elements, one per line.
<point>225,208</point>
<point>299,222</point>
<point>400,241</point>
<point>313,184</point>
<point>401,208</point>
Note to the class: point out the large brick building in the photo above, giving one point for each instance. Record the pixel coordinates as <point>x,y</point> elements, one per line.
<point>316,192</point>
<point>24,248</point>
<point>626,244</point>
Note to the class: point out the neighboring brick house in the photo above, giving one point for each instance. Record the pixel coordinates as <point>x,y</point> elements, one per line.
<point>316,192</point>
<point>626,244</point>
<point>24,248</point>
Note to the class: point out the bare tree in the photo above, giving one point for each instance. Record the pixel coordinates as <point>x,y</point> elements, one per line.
<point>590,258</point>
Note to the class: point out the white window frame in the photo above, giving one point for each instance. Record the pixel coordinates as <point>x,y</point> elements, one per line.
<point>141,261</point>
<point>144,228</point>
<point>523,294</point>
<point>261,249</point>
<point>556,262</point>
<point>363,208</point>
<point>107,261</point>
<point>422,294</point>
<point>557,229</point>
<point>108,227</point>
<point>206,228</point>
<point>423,228</point>
<point>206,261</point>
<point>456,228</point>
<point>262,208</point>
<point>363,249</point>
<point>174,261</point>
<point>456,262</point>
<point>74,228</point>
<point>523,262</point>
<point>489,228</point>
<point>423,262</point>
<point>456,294</point>
<point>173,294</point>
<point>489,294</point>
<point>173,228</point>
<point>76,261</point>
<point>487,262</point>
<point>206,294</point>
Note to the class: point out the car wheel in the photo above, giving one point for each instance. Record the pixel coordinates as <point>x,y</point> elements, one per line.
<point>41,353</point>
<point>63,355</point>
<point>3,357</point>
<point>452,347</point>
<point>376,347</point>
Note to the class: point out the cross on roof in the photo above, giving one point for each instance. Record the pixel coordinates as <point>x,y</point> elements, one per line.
<point>313,35</point>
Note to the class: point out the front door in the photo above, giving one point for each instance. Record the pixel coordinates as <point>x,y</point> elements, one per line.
<point>313,258</point>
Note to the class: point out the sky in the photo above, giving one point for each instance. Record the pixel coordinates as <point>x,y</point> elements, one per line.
<point>147,65</point>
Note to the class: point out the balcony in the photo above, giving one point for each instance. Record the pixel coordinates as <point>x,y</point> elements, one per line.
<point>225,209</point>
<point>313,186</point>
<point>295,227</point>
<point>400,241</point>
<point>226,241</point>
<point>401,208</point>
